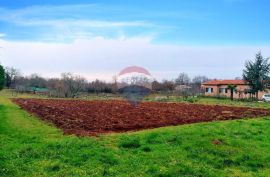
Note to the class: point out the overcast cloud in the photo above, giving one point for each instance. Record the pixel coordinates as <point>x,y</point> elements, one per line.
<point>103,58</point>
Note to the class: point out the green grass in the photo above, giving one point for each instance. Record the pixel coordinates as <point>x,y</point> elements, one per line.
<point>30,147</point>
<point>9,93</point>
<point>215,101</point>
<point>256,104</point>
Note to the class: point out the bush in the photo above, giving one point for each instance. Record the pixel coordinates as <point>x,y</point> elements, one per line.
<point>192,99</point>
<point>221,97</point>
<point>248,99</point>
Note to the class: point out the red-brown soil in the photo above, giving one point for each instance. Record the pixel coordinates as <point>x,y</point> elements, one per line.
<point>94,117</point>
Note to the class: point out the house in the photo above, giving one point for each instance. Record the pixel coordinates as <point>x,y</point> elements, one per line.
<point>219,88</point>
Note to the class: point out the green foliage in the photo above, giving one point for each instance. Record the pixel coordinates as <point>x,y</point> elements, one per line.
<point>220,97</point>
<point>251,99</point>
<point>256,73</point>
<point>2,77</point>
<point>192,99</point>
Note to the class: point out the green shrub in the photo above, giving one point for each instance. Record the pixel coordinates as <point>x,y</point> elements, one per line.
<point>248,99</point>
<point>192,100</point>
<point>221,97</point>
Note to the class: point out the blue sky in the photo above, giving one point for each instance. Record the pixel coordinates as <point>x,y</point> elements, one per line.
<point>192,22</point>
<point>199,31</point>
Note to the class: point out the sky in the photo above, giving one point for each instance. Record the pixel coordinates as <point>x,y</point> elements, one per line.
<point>97,39</point>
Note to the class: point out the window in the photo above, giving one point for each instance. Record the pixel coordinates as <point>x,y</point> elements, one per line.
<point>209,90</point>
<point>223,90</point>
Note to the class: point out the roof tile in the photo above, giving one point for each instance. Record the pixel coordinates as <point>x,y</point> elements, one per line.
<point>224,82</point>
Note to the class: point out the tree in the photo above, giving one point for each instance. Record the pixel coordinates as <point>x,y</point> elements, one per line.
<point>232,89</point>
<point>182,79</point>
<point>2,77</point>
<point>36,80</point>
<point>73,84</point>
<point>56,87</point>
<point>156,86</point>
<point>167,87</point>
<point>198,80</point>
<point>256,73</point>
<point>12,76</point>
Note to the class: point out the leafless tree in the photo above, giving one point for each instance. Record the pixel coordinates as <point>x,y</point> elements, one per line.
<point>199,79</point>
<point>56,87</point>
<point>164,86</point>
<point>167,87</point>
<point>12,76</point>
<point>182,79</point>
<point>35,80</point>
<point>98,86</point>
<point>157,86</point>
<point>74,84</point>
<point>136,80</point>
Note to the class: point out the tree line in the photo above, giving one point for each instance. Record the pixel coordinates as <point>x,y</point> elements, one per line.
<point>255,74</point>
<point>71,85</point>
<point>68,85</point>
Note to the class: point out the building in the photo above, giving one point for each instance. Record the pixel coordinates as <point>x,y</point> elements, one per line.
<point>219,88</point>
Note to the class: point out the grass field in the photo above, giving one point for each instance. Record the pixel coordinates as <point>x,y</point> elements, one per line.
<point>30,147</point>
<point>215,101</point>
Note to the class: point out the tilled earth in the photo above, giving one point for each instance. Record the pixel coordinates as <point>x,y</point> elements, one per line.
<point>95,117</point>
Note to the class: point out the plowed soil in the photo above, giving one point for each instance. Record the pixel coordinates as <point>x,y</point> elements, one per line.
<point>95,117</point>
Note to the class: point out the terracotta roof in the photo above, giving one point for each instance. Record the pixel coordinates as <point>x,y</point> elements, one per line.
<point>224,82</point>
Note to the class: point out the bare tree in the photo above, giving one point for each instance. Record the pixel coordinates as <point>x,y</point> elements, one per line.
<point>35,80</point>
<point>198,80</point>
<point>12,76</point>
<point>99,86</point>
<point>56,87</point>
<point>182,79</point>
<point>73,84</point>
<point>168,87</point>
<point>157,86</point>
<point>114,84</point>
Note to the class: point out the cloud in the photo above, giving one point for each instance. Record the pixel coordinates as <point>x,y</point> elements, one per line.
<point>103,58</point>
<point>81,23</point>
<point>2,35</point>
<point>59,16</point>
<point>69,22</point>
